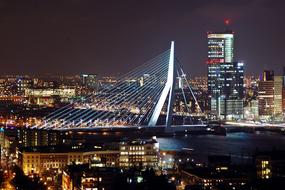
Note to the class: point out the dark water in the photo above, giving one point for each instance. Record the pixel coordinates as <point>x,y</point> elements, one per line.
<point>239,145</point>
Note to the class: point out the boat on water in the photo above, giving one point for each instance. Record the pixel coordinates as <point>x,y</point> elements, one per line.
<point>187,149</point>
<point>217,128</point>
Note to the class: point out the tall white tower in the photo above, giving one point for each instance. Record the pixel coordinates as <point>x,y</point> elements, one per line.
<point>168,90</point>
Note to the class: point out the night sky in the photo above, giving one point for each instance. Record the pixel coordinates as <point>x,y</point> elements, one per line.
<point>109,37</point>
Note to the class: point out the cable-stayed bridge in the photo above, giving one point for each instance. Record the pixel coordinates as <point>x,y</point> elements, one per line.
<point>141,97</point>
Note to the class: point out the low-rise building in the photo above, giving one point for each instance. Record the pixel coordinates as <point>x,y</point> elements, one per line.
<point>87,177</point>
<point>48,96</point>
<point>39,137</point>
<point>270,164</point>
<point>37,160</point>
<point>209,178</point>
<point>139,153</point>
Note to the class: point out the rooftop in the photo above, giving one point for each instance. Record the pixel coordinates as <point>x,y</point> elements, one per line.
<point>64,149</point>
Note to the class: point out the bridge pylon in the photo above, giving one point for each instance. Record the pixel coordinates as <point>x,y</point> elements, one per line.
<point>168,91</point>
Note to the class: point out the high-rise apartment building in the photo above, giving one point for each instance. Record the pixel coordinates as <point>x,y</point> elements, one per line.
<point>22,84</point>
<point>270,94</point>
<point>89,80</point>
<point>267,75</point>
<point>283,91</point>
<point>266,94</point>
<point>225,77</point>
<point>278,87</point>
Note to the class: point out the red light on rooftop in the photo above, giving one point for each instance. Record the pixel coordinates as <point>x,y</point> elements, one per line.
<point>227,21</point>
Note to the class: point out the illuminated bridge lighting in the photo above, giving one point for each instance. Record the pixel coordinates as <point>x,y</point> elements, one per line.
<point>138,98</point>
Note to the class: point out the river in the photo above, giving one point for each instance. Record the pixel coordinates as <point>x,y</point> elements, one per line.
<point>236,144</point>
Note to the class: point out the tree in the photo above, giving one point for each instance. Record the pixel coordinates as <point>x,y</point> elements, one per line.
<point>23,182</point>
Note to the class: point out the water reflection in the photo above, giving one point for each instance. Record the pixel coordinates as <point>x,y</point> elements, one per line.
<point>237,144</point>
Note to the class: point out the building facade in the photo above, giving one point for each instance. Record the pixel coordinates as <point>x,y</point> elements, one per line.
<point>88,177</point>
<point>89,80</point>
<point>270,94</point>
<point>139,153</point>
<point>38,160</point>
<point>47,97</point>
<point>278,88</point>
<point>225,77</point>
<point>265,98</point>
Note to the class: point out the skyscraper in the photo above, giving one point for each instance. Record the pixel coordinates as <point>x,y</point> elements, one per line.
<point>267,75</point>
<point>220,47</point>
<point>278,87</point>
<point>266,94</point>
<point>225,77</point>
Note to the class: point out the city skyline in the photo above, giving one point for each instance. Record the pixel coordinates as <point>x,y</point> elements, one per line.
<point>71,37</point>
<point>135,95</point>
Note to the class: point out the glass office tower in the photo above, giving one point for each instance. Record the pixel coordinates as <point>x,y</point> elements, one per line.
<point>225,77</point>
